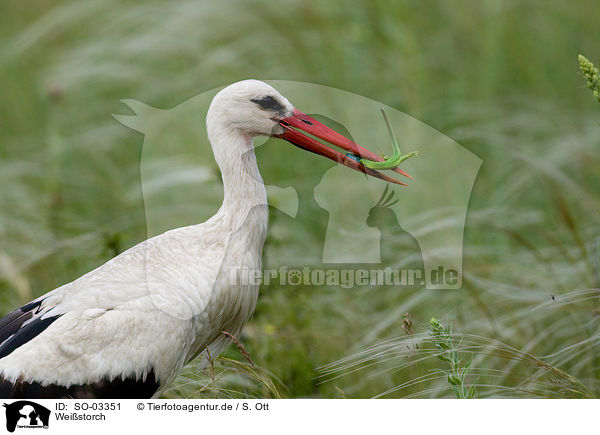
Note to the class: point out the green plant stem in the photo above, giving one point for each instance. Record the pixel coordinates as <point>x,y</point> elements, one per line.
<point>442,338</point>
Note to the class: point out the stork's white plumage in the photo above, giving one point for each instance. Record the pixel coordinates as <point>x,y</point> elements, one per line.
<point>125,329</point>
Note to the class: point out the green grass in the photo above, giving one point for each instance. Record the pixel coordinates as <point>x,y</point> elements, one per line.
<point>501,78</point>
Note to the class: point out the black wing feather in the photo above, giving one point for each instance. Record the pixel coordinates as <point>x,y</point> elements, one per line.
<point>22,325</point>
<point>129,388</point>
<point>12,323</point>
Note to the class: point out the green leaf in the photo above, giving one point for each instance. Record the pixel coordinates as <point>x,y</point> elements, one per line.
<point>465,370</point>
<point>471,392</point>
<point>453,380</point>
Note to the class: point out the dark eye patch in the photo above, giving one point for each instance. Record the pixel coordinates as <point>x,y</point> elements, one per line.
<point>269,103</point>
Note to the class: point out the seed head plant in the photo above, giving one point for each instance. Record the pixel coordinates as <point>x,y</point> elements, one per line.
<point>591,74</point>
<point>442,337</point>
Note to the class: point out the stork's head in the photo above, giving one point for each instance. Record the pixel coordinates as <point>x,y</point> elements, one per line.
<point>254,108</point>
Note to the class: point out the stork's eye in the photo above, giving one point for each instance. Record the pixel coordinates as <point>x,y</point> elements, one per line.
<point>269,103</point>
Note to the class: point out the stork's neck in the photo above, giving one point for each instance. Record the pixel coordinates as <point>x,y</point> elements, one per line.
<point>245,197</point>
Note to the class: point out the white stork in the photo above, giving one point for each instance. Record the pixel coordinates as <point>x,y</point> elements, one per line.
<point>125,329</point>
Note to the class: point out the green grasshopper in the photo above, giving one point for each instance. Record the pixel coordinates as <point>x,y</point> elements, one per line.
<point>396,159</point>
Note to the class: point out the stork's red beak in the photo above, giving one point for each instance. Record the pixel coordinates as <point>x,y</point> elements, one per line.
<point>302,121</point>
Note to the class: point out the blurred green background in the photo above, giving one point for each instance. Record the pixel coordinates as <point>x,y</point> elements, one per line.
<point>500,78</point>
